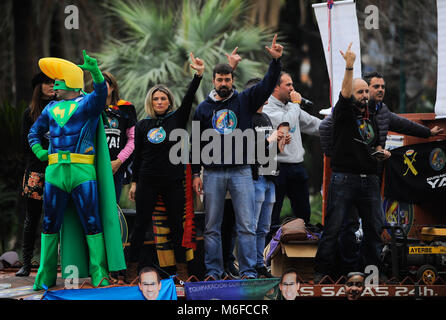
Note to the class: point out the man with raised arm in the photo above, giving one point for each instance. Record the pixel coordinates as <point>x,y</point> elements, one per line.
<point>74,166</point>
<point>223,112</point>
<point>354,181</point>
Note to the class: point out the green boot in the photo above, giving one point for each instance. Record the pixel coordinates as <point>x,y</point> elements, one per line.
<point>47,274</point>
<point>98,259</point>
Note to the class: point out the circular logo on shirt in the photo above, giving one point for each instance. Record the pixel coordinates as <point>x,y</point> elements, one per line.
<point>224,121</point>
<point>113,123</point>
<point>156,135</point>
<point>437,159</point>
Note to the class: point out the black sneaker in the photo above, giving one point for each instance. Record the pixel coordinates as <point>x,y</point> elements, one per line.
<point>24,271</point>
<point>232,271</point>
<point>263,271</point>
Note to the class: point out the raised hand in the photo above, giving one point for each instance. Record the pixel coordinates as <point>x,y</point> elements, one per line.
<point>349,56</point>
<point>197,64</point>
<point>90,63</point>
<point>347,83</point>
<point>234,58</point>
<point>276,49</point>
<point>295,97</point>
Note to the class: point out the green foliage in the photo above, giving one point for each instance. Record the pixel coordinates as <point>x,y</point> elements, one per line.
<point>12,162</point>
<point>11,169</point>
<point>156,44</point>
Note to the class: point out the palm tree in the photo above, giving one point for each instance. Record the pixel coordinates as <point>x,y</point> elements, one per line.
<point>156,45</point>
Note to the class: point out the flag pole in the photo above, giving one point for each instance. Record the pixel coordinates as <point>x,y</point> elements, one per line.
<point>330,49</point>
<point>327,171</point>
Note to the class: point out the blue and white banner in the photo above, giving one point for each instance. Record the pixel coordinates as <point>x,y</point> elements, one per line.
<point>255,289</point>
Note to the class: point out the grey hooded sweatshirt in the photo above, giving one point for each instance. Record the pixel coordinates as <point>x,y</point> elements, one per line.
<point>299,120</point>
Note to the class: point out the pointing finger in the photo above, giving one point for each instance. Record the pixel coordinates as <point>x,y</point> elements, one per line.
<point>349,46</point>
<point>274,41</point>
<point>192,57</point>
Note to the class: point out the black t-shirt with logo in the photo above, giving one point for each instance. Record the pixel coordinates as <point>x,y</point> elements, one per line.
<point>152,144</point>
<point>355,136</point>
<point>117,120</point>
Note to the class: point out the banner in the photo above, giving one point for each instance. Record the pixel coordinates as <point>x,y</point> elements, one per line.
<point>344,29</point>
<point>416,173</point>
<point>167,292</point>
<point>255,289</point>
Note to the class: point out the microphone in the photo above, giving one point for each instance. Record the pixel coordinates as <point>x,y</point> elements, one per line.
<point>305,102</point>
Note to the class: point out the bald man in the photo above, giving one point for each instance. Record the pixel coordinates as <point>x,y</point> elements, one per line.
<point>354,180</point>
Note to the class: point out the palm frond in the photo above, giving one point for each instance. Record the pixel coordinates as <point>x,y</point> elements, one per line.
<point>157,44</point>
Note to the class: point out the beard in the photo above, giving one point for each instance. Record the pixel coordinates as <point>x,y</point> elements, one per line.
<point>361,104</point>
<point>223,91</point>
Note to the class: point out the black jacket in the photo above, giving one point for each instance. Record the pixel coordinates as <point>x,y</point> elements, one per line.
<point>386,120</point>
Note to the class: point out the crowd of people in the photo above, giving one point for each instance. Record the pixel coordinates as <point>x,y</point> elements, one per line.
<point>66,167</point>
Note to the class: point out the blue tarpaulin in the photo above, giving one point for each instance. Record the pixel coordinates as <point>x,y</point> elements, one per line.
<point>167,292</point>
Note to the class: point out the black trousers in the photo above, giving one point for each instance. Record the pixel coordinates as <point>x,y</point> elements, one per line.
<point>292,182</point>
<point>32,221</point>
<point>146,196</point>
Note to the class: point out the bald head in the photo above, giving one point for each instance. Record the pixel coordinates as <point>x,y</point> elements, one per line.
<point>360,92</point>
<point>358,82</point>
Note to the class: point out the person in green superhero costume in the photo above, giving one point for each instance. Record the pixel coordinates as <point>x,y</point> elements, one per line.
<point>79,196</point>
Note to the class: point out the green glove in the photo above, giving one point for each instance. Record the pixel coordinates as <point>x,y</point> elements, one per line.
<point>40,153</point>
<point>91,65</point>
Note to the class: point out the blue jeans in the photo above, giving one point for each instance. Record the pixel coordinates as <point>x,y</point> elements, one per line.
<point>346,191</point>
<point>265,198</point>
<point>238,180</point>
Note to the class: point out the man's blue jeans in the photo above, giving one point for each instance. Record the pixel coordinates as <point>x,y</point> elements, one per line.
<point>345,191</point>
<point>265,198</point>
<point>238,180</point>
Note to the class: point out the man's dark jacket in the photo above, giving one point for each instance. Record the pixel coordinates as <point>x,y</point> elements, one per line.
<point>386,120</point>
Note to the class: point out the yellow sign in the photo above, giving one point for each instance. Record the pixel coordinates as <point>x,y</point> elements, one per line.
<point>427,250</point>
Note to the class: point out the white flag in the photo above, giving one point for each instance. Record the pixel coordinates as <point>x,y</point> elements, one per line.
<point>344,29</point>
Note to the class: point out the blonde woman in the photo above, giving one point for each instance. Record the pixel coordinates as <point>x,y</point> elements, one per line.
<point>154,174</point>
